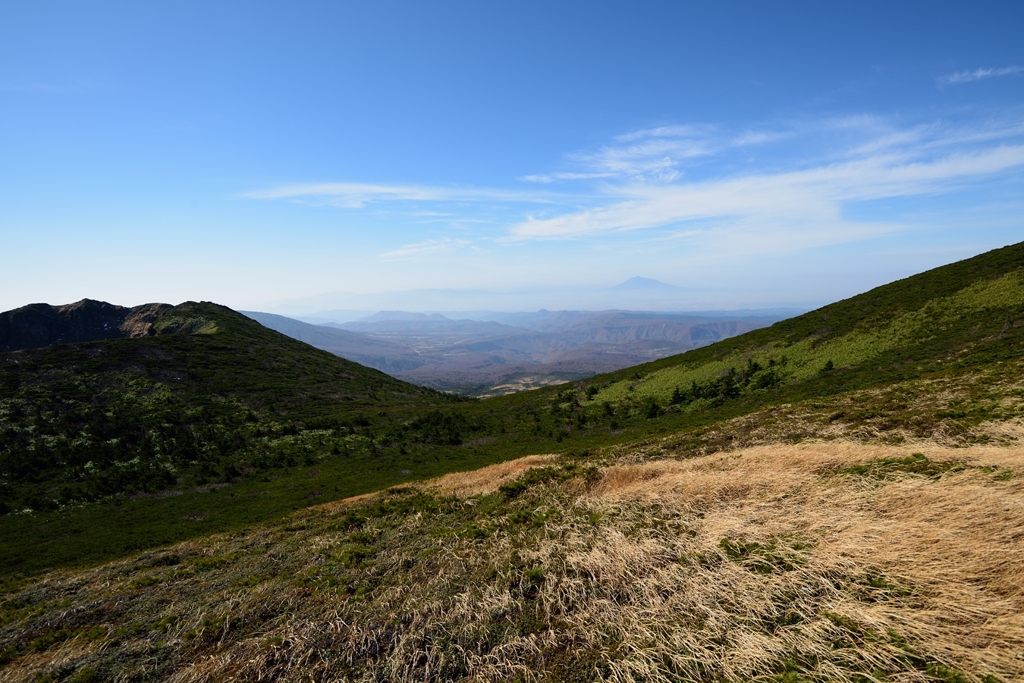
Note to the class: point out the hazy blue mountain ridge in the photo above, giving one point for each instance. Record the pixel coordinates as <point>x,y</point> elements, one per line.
<point>474,356</point>
<point>374,352</point>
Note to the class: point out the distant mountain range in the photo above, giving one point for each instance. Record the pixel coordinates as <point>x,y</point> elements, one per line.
<point>514,351</point>
<point>507,352</point>
<point>636,293</point>
<point>380,354</point>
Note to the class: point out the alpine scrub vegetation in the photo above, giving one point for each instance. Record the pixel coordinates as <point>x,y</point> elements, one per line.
<point>133,416</point>
<point>833,561</point>
<point>977,315</point>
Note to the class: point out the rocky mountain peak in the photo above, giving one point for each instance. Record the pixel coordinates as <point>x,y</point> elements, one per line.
<point>38,325</point>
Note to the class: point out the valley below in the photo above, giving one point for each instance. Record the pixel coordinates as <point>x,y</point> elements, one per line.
<point>509,352</point>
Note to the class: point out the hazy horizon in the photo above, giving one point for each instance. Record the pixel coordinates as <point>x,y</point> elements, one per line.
<point>668,298</point>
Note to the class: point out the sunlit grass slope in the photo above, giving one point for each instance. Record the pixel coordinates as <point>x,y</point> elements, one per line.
<point>964,313</point>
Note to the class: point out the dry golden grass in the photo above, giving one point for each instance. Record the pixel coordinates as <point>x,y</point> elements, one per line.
<point>487,479</point>
<point>776,562</point>
<point>957,540</point>
<point>338,505</point>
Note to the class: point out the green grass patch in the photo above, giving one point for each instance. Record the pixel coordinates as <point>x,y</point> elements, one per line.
<point>775,555</point>
<point>915,464</point>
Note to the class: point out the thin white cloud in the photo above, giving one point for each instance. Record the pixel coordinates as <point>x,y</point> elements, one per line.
<point>662,132</point>
<point>890,140</point>
<point>855,122</point>
<point>441,245</point>
<point>554,177</point>
<point>932,137</point>
<point>958,77</point>
<point>639,184</point>
<point>751,137</point>
<point>356,195</point>
<point>655,157</point>
<point>649,155</point>
<point>807,200</point>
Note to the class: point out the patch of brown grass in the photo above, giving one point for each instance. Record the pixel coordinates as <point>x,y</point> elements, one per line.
<point>957,543</point>
<point>337,505</point>
<point>487,479</point>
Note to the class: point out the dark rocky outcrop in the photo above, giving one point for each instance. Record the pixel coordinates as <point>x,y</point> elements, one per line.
<point>38,325</point>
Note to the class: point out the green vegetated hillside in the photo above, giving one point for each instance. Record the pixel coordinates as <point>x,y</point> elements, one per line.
<point>828,499</point>
<point>215,422</point>
<point>957,315</point>
<point>211,397</point>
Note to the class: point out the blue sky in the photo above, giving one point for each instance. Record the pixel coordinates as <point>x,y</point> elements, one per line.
<point>258,155</point>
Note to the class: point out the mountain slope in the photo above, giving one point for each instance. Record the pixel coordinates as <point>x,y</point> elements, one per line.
<point>833,560</point>
<point>966,313</point>
<point>477,358</point>
<point>208,397</point>
<point>567,347</point>
<point>791,521</point>
<point>435,324</point>
<point>645,284</point>
<point>483,358</point>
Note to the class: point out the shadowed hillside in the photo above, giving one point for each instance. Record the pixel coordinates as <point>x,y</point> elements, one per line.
<point>122,419</point>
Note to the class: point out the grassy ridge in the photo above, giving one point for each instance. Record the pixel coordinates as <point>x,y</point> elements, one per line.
<point>973,324</point>
<point>80,422</point>
<point>955,316</point>
<point>96,433</point>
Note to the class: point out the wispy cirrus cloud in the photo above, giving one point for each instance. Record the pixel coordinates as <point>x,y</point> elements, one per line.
<point>356,195</point>
<point>758,137</point>
<point>649,155</point>
<point>807,202</point>
<point>656,155</point>
<point>695,182</point>
<point>429,247</point>
<point>968,76</point>
<point>555,177</point>
<point>674,131</point>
